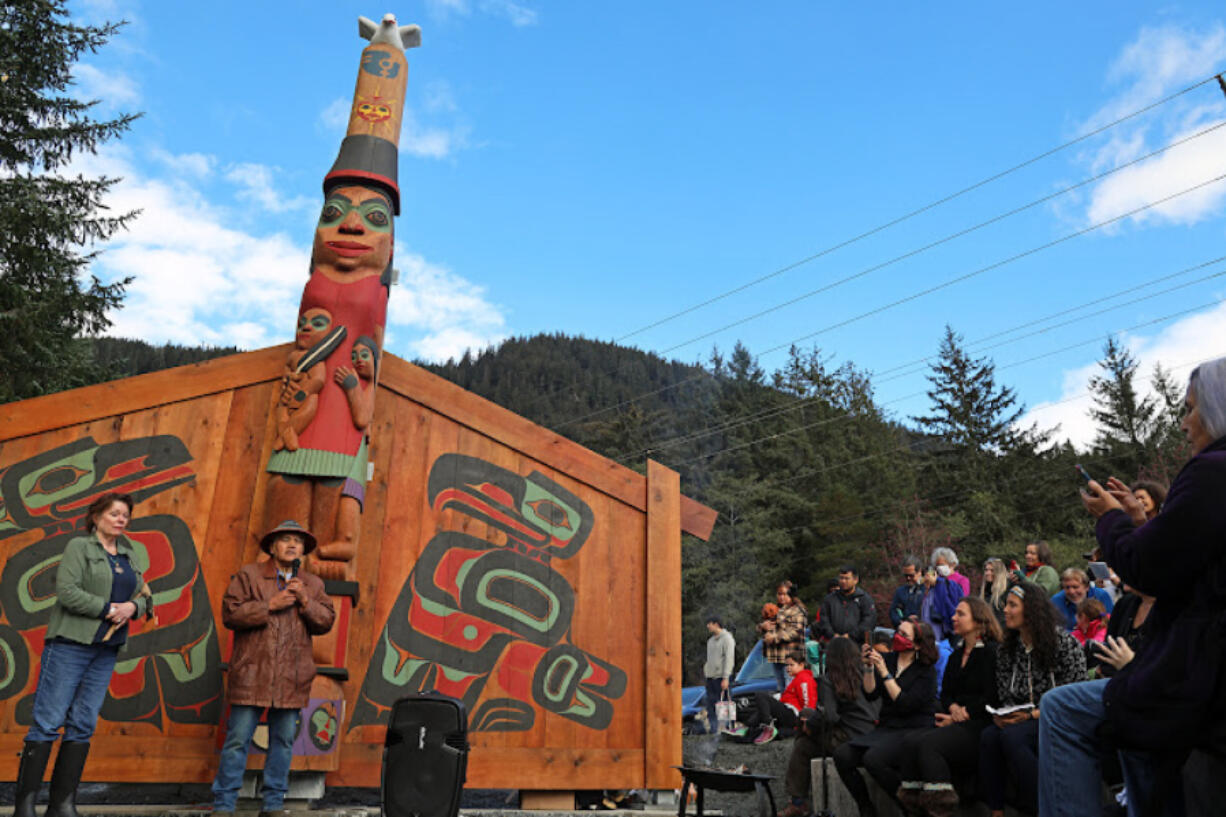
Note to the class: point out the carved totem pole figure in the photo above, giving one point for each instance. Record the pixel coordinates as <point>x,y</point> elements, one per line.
<point>319,462</point>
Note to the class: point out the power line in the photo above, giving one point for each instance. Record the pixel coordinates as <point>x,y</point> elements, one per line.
<point>1094,339</point>
<point>802,402</point>
<point>931,205</point>
<point>921,500</point>
<point>938,242</point>
<point>919,294</point>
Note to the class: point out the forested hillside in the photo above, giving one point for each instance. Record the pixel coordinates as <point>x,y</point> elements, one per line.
<point>807,470</point>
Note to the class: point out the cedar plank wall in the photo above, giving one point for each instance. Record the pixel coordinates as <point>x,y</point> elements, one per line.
<point>626,577</point>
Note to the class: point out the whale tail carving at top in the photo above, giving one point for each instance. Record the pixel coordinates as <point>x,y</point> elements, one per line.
<point>398,37</point>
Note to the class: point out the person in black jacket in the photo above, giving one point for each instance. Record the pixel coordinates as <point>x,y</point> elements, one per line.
<point>906,683</point>
<point>1171,697</point>
<point>842,712</point>
<point>932,757</point>
<point>848,611</point>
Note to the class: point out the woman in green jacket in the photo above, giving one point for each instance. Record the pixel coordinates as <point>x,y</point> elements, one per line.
<point>97,591</point>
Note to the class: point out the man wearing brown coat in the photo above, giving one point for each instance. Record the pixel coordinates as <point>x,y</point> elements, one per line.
<point>273,609</point>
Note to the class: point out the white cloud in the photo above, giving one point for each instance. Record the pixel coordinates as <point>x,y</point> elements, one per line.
<point>256,184</point>
<point>1178,346</point>
<point>204,274</point>
<point>519,15</point>
<point>1157,63</point>
<point>452,311</point>
<point>114,90</point>
<point>192,165</point>
<point>439,97</point>
<point>335,117</point>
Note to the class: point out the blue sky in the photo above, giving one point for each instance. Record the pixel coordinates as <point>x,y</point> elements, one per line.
<point>592,168</point>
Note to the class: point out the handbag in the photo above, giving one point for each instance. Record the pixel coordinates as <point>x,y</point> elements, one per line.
<point>725,710</point>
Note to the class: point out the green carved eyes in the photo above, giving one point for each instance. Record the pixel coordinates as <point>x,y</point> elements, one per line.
<point>318,322</point>
<point>375,213</point>
<point>361,353</point>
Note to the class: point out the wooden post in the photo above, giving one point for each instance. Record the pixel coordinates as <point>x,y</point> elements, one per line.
<point>662,684</point>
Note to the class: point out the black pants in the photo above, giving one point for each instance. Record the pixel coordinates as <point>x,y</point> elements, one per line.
<point>938,755</point>
<point>880,752</point>
<point>1010,752</point>
<point>799,776</point>
<point>715,689</point>
<point>769,710</point>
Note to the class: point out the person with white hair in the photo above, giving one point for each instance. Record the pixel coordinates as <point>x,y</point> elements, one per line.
<point>1169,698</point>
<point>946,563</point>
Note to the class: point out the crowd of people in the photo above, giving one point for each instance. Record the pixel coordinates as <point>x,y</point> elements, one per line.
<point>1062,693</point>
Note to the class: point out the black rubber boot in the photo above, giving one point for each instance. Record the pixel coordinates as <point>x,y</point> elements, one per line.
<point>69,764</point>
<point>34,756</point>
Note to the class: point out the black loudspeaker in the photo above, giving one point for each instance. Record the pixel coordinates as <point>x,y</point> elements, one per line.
<point>425,757</point>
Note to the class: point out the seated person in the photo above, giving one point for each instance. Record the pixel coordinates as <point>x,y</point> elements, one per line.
<point>906,684</point>
<point>783,712</point>
<point>1036,656</point>
<point>1091,623</point>
<point>842,712</point>
<point>932,757</point>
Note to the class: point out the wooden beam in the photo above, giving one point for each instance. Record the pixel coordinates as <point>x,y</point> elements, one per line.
<point>143,391</point>
<point>119,397</point>
<point>662,669</point>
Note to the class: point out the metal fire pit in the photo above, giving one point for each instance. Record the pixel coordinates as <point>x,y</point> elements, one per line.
<point>725,781</point>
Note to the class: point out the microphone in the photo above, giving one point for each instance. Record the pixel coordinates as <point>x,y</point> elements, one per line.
<point>293,568</point>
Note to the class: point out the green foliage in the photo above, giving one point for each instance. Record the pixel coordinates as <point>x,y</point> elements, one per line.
<point>48,221</point>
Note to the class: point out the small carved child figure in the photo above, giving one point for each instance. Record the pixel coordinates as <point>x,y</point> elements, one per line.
<point>305,375</point>
<point>358,382</point>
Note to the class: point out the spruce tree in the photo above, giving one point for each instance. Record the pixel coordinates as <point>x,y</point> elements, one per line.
<point>970,410</point>
<point>1127,420</point>
<point>50,222</point>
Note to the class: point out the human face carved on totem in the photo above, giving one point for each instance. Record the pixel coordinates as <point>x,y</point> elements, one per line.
<point>363,358</point>
<point>353,239</point>
<point>312,324</point>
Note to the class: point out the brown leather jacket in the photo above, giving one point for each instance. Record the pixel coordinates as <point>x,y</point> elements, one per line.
<point>271,663</point>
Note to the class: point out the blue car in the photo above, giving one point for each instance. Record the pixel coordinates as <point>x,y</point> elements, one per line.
<point>753,676</point>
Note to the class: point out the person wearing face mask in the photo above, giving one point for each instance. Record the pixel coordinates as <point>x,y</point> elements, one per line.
<point>946,562</point>
<point>1170,698</point>
<point>905,681</point>
<point>942,596</point>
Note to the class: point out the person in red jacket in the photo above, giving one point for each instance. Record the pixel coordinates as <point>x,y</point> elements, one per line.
<point>784,712</point>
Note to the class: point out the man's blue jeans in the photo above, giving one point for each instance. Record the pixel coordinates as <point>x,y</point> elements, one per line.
<point>1069,768</point>
<point>243,720</point>
<point>72,684</point>
<point>781,677</point>
<point>715,689</point>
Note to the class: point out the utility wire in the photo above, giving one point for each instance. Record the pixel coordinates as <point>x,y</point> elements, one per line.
<point>931,205</point>
<point>802,402</point>
<point>928,500</point>
<point>919,294</point>
<point>939,242</point>
<point>1061,350</point>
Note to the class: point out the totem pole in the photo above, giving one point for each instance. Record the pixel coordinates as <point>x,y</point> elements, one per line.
<point>318,468</point>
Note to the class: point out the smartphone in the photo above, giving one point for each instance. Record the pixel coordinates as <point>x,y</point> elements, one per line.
<point>1100,571</point>
<point>1084,473</point>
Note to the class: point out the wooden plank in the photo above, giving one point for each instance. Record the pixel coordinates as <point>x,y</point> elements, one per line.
<point>662,677</point>
<point>130,394</point>
<point>515,768</point>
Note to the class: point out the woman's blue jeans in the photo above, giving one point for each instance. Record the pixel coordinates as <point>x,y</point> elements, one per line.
<point>72,684</point>
<point>233,762</point>
<point>1069,750</point>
